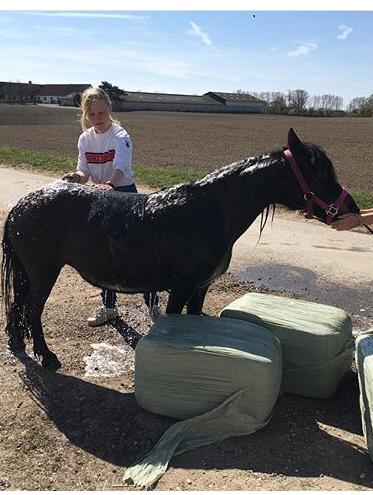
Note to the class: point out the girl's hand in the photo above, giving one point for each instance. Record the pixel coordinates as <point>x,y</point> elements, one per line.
<point>72,177</point>
<point>102,187</point>
<point>347,221</point>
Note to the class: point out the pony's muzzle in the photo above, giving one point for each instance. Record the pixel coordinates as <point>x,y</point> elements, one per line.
<point>349,206</point>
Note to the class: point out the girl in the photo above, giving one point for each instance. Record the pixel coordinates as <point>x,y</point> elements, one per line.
<point>105,156</point>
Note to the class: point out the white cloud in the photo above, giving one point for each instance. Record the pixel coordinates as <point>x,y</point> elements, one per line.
<point>345,31</point>
<point>128,17</point>
<point>56,64</point>
<point>65,31</point>
<point>197,31</point>
<point>303,49</point>
<point>15,34</point>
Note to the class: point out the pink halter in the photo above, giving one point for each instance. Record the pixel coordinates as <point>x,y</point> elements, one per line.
<point>330,210</point>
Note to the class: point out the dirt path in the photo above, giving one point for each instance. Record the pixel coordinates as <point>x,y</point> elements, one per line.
<point>79,428</point>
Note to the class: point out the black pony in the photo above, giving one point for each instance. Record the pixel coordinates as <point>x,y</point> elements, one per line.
<point>177,240</point>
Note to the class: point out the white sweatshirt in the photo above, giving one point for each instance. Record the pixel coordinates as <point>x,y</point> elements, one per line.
<point>101,154</point>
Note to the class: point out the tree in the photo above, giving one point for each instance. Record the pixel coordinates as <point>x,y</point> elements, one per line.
<point>325,105</point>
<point>361,106</point>
<point>297,101</point>
<point>113,92</point>
<point>277,105</point>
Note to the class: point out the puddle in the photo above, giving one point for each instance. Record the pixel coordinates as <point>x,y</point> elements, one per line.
<point>280,277</point>
<point>107,360</point>
<point>288,279</point>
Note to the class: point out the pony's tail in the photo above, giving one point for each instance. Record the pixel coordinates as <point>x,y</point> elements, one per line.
<point>14,288</point>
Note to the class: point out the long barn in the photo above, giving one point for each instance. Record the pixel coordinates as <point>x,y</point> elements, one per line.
<point>209,102</point>
<point>66,95</point>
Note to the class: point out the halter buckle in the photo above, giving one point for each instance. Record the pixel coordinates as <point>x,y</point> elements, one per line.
<point>308,196</point>
<point>332,210</point>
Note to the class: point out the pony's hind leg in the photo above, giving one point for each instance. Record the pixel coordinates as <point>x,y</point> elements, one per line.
<point>49,359</point>
<point>40,288</point>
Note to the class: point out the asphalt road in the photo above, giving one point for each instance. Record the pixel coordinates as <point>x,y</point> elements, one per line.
<point>293,255</point>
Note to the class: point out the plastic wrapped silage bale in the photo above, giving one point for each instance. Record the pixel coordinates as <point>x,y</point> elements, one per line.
<point>317,342</point>
<point>222,375</point>
<point>364,363</point>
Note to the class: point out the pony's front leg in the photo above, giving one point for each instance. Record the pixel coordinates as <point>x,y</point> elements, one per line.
<point>177,300</point>
<point>195,303</point>
<point>41,284</point>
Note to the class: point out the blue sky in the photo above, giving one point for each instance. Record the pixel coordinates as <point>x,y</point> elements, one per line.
<point>192,52</point>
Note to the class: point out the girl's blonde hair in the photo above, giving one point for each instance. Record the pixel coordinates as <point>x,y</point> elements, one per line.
<point>88,97</point>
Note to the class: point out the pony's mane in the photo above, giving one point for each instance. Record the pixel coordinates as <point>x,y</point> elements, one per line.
<point>252,162</point>
<point>179,192</point>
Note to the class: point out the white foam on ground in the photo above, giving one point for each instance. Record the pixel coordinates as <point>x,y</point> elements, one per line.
<point>107,360</point>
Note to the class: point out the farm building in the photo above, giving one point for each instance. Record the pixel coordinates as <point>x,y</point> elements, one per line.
<point>11,92</point>
<point>69,95</point>
<point>54,93</point>
<point>238,102</point>
<point>209,102</point>
<point>167,102</point>
<point>37,93</point>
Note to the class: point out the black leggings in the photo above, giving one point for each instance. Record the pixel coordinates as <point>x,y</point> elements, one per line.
<point>108,296</point>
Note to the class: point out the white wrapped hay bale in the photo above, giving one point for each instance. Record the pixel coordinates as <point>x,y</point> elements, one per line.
<point>223,375</point>
<point>364,363</point>
<point>317,342</point>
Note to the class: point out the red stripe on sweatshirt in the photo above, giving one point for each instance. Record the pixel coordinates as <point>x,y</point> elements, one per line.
<point>100,158</point>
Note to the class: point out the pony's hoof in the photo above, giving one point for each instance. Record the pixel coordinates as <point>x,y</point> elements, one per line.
<point>51,363</point>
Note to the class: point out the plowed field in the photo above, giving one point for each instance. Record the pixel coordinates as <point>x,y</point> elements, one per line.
<point>200,141</point>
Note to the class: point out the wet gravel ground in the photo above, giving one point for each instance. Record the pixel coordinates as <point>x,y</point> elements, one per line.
<point>79,428</point>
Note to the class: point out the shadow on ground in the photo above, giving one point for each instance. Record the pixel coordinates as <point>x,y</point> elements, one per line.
<point>111,426</point>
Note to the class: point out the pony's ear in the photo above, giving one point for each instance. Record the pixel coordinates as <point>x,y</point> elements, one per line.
<point>294,143</point>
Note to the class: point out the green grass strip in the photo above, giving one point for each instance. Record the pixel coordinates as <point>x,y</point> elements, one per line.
<point>158,177</point>
<point>155,177</point>
<point>34,159</point>
<point>363,199</point>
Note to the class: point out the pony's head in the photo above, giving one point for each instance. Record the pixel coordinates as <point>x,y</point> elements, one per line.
<point>313,186</point>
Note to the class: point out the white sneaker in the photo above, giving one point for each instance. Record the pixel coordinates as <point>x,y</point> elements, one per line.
<point>102,316</point>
